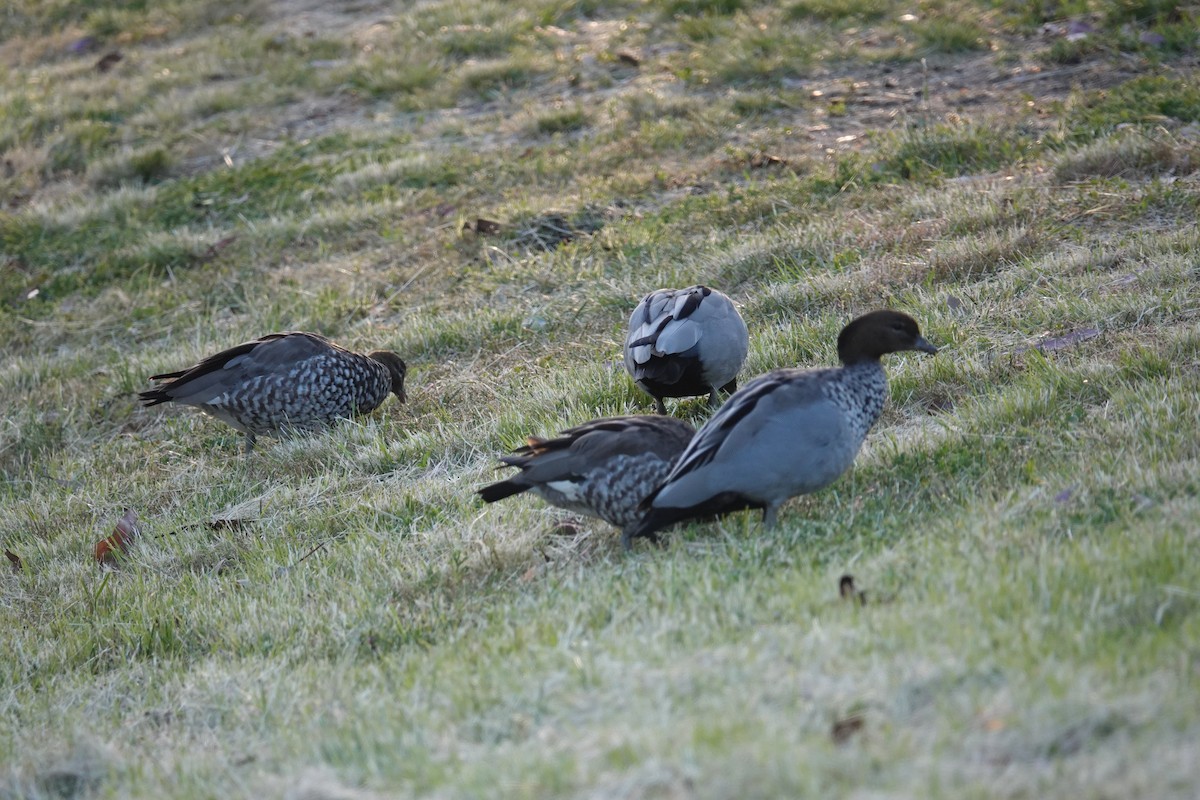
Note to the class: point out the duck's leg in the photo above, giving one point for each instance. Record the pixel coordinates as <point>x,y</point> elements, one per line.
<point>249,442</point>
<point>627,538</point>
<point>660,405</point>
<point>770,516</point>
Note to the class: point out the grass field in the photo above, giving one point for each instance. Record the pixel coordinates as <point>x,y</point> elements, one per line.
<point>488,188</point>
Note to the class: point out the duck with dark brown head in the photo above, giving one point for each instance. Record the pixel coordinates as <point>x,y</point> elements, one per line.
<point>786,433</point>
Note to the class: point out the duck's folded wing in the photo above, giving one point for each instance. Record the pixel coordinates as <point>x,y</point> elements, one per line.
<point>738,427</point>
<point>219,372</point>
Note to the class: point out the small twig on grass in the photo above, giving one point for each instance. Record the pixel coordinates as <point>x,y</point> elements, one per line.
<point>319,546</point>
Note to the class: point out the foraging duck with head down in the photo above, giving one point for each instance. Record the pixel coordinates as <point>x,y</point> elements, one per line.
<point>292,381</point>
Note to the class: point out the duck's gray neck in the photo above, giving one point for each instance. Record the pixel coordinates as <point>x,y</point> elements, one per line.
<point>859,389</point>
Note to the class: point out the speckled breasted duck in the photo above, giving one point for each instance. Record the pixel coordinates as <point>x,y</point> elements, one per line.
<point>685,342</point>
<point>283,382</point>
<point>603,468</point>
<point>786,433</point>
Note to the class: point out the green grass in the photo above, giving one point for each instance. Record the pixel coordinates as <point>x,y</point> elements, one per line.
<point>337,616</point>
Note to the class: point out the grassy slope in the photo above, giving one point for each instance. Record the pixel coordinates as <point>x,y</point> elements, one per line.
<point>1024,522</point>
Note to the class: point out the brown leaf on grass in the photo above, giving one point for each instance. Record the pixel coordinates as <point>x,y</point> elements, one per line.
<point>215,249</point>
<point>108,61</point>
<point>486,227</point>
<point>628,57</point>
<point>14,560</point>
<point>109,550</point>
<point>846,727</point>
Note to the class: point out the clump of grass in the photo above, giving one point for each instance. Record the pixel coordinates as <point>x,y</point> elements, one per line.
<point>79,142</point>
<point>1066,51</point>
<point>951,35</point>
<point>648,106</point>
<point>957,150</point>
<point>757,57</point>
<point>1144,99</point>
<point>491,78</point>
<point>562,120</point>
<point>144,165</point>
<point>701,7</point>
<point>1130,156</point>
<point>751,103</point>
<point>840,10</point>
<point>1145,11</point>
<point>400,80</point>
<point>475,40</point>
<point>988,252</point>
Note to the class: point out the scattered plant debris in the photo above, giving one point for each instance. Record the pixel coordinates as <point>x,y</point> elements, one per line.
<point>760,160</point>
<point>568,527</point>
<point>553,229</point>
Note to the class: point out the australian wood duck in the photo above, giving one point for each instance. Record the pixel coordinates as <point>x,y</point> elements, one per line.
<point>685,342</point>
<point>283,382</point>
<point>603,468</point>
<point>786,433</point>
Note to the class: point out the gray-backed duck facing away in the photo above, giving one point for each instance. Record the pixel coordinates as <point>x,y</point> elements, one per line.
<point>283,382</point>
<point>685,342</point>
<point>786,433</point>
<point>603,468</point>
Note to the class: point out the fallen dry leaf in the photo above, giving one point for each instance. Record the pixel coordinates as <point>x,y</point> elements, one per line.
<point>487,227</point>
<point>117,545</point>
<point>215,249</point>
<point>108,61</point>
<point>846,727</point>
<point>14,560</point>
